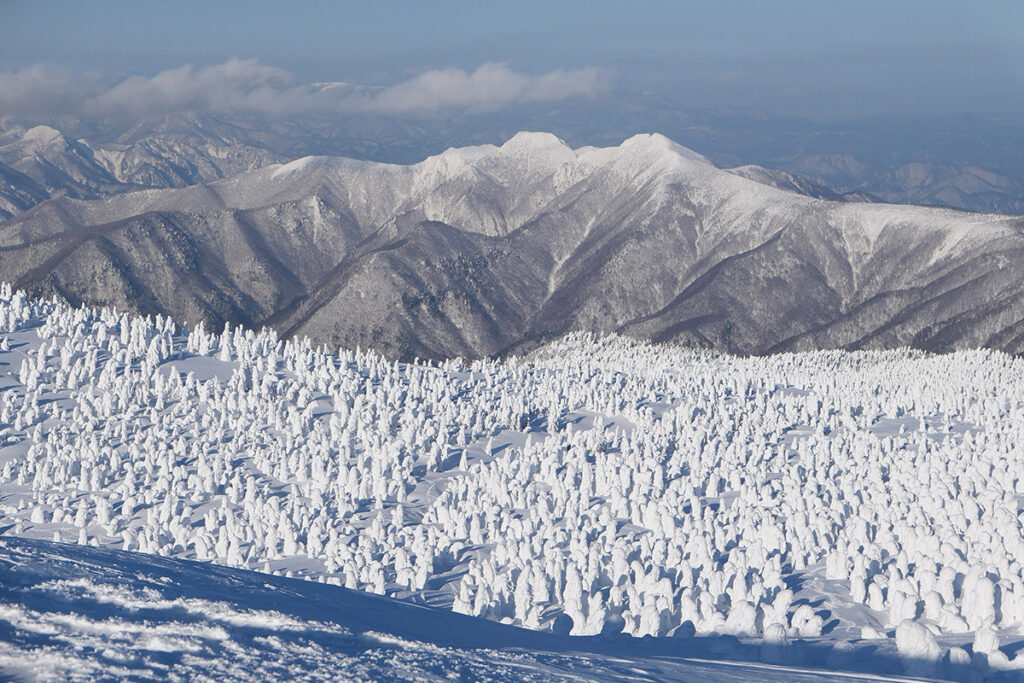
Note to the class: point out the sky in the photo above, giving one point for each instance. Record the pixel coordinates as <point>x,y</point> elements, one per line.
<point>822,58</point>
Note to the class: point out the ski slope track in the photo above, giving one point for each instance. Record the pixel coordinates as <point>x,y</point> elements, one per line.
<point>603,508</point>
<point>485,251</point>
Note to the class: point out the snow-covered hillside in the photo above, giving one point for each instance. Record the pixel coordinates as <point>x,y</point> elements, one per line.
<point>865,503</point>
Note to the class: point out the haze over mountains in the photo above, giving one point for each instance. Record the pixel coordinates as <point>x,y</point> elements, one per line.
<point>487,250</point>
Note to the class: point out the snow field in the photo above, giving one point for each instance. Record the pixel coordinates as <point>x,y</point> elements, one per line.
<point>649,490</point>
<point>77,613</point>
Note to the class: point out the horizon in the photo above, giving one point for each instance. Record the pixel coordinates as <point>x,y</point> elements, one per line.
<point>795,59</point>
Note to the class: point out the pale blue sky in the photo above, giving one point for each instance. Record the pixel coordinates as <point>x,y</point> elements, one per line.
<point>811,58</point>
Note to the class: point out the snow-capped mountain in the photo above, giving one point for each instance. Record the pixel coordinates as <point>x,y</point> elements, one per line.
<point>849,512</point>
<point>487,249</point>
<point>40,162</point>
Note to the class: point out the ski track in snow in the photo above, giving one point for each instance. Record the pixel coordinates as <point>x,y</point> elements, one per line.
<point>855,512</point>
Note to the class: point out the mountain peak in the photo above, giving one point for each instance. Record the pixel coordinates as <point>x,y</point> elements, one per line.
<point>310,164</point>
<point>41,136</point>
<point>534,141</point>
<point>658,143</point>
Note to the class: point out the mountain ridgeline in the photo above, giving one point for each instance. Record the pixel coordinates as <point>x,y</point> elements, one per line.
<point>490,250</point>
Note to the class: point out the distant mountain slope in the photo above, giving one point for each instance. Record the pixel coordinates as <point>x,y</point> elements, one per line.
<point>40,162</point>
<point>935,184</point>
<point>787,181</point>
<point>485,250</point>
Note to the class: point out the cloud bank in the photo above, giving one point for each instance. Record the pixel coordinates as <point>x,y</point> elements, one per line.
<point>248,85</point>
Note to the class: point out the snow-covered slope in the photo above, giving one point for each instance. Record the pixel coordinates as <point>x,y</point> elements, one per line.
<point>79,613</point>
<point>483,250</point>
<point>851,511</point>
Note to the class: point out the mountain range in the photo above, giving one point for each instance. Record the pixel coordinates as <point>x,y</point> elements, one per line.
<point>489,250</point>
<point>965,162</point>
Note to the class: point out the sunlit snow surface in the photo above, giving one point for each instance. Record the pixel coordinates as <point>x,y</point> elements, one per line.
<point>855,512</point>
<point>69,612</point>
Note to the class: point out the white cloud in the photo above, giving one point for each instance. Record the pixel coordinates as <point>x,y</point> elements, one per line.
<point>491,86</point>
<point>249,85</point>
<point>44,89</point>
<point>237,84</point>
